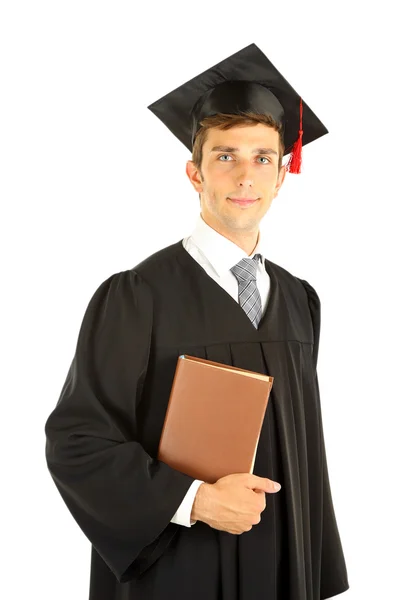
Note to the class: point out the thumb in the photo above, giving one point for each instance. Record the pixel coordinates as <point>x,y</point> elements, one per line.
<point>263,484</point>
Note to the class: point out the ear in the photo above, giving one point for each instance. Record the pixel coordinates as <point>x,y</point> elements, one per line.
<point>280,180</point>
<point>194,176</point>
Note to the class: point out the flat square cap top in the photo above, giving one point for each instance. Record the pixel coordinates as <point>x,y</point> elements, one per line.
<point>245,81</point>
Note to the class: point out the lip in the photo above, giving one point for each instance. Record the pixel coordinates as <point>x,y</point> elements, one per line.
<point>243,201</point>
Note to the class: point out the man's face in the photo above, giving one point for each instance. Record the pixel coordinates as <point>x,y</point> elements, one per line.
<point>241,162</point>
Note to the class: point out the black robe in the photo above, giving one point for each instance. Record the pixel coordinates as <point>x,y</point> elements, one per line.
<point>103,435</point>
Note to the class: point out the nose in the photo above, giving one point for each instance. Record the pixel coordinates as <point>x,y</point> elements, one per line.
<point>245,179</point>
<point>245,183</point>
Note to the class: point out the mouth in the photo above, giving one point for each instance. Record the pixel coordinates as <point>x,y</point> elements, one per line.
<point>243,202</point>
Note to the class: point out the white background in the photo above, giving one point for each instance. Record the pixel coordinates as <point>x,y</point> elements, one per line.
<point>92,182</point>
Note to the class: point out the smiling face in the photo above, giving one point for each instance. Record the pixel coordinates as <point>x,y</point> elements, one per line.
<point>238,163</point>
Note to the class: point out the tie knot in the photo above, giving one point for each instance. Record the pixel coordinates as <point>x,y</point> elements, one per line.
<point>245,269</point>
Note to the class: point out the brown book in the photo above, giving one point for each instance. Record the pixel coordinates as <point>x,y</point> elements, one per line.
<point>214,418</point>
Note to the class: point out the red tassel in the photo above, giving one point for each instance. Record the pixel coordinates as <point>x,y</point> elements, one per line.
<point>294,164</point>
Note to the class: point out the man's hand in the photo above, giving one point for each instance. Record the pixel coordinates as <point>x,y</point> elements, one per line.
<point>234,503</point>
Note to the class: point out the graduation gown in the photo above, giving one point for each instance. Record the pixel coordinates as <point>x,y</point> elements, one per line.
<point>102,439</point>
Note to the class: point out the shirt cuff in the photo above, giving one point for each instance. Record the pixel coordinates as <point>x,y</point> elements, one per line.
<point>183,514</point>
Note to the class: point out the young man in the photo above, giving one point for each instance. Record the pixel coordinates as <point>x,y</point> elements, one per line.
<point>155,532</point>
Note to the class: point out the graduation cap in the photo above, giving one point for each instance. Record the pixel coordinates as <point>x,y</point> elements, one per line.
<point>244,82</point>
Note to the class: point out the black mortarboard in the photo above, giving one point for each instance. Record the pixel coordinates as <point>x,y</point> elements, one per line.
<point>244,82</point>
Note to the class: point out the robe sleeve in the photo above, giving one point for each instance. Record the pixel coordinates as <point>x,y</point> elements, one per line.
<point>333,576</point>
<point>121,497</point>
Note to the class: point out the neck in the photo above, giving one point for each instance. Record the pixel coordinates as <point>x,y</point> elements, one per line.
<point>247,240</point>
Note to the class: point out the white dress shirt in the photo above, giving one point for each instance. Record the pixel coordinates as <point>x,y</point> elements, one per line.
<point>217,254</point>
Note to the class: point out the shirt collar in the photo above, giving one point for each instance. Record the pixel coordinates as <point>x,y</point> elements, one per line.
<point>221,252</point>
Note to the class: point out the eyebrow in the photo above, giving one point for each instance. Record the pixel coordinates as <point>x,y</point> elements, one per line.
<point>232,149</point>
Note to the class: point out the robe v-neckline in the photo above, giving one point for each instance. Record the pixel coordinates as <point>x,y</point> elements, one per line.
<point>233,304</point>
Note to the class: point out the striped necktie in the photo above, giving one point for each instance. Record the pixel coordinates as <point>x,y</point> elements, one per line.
<point>248,293</point>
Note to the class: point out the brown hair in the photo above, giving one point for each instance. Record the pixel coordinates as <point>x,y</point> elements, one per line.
<point>225,121</point>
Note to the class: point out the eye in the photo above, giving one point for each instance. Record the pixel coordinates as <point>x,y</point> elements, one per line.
<point>228,155</point>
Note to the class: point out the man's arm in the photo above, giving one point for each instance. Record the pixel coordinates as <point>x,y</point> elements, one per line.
<point>121,497</point>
